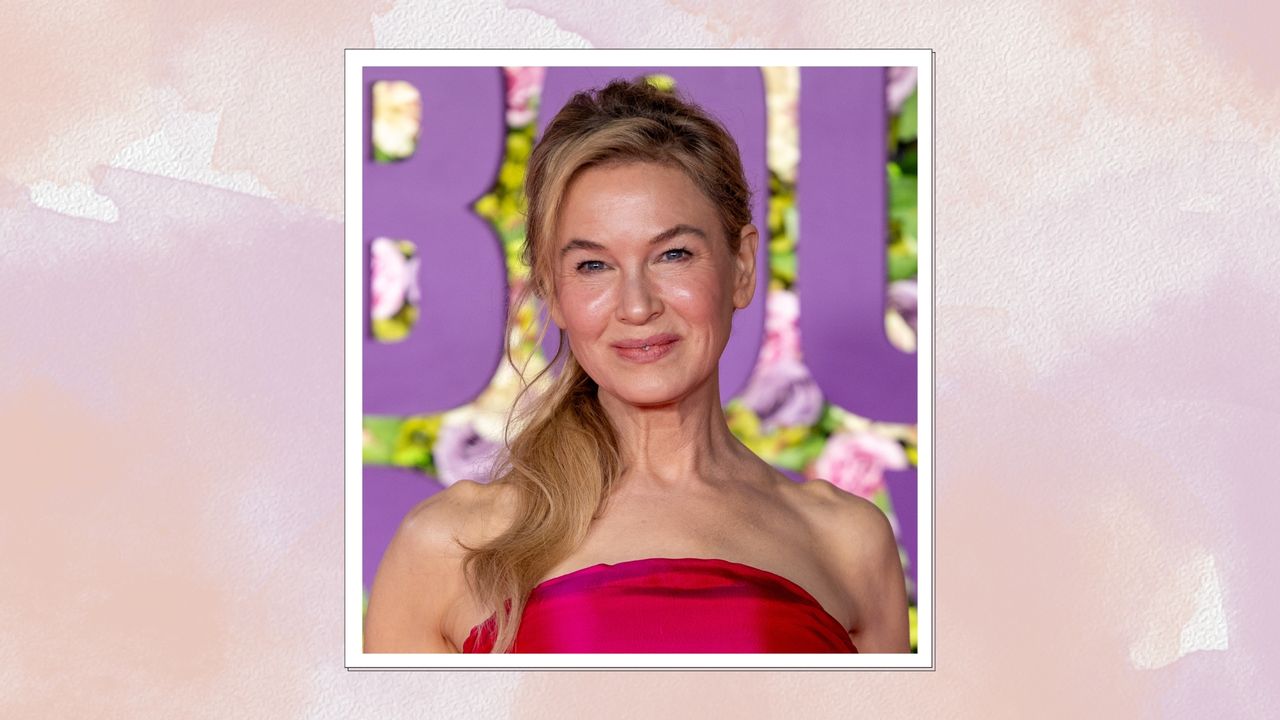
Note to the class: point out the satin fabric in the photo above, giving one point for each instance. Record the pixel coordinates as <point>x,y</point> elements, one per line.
<point>670,605</point>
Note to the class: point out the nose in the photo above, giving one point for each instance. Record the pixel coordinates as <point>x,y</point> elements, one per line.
<point>638,302</point>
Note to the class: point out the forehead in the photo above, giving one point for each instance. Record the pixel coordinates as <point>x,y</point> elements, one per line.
<point>636,198</point>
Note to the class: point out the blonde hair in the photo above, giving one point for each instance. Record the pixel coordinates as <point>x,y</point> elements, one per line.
<point>566,459</point>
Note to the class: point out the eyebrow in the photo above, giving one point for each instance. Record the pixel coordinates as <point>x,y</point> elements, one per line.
<point>665,235</point>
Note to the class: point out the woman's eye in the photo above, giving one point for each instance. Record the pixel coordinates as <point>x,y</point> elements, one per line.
<point>675,254</point>
<point>590,266</point>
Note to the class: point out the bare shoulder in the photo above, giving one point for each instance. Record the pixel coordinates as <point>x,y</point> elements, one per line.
<point>844,518</point>
<point>464,513</point>
<point>851,523</point>
<point>420,583</point>
<point>860,543</point>
<point>443,525</point>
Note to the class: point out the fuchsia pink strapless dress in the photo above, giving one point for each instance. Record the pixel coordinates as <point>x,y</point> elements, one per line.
<point>670,605</point>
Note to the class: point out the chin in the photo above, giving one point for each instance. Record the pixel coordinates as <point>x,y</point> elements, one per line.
<point>649,395</point>
<point>651,399</point>
<point>645,395</point>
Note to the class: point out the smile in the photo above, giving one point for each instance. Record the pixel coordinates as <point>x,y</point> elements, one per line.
<point>648,352</point>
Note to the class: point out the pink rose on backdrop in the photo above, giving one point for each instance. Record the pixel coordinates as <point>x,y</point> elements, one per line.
<point>855,462</point>
<point>781,332</point>
<point>781,391</point>
<point>899,85</point>
<point>524,86</point>
<point>393,279</point>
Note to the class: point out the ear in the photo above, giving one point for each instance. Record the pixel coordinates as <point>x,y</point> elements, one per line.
<point>744,264</point>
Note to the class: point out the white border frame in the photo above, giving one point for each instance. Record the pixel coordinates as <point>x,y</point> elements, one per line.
<point>356,61</point>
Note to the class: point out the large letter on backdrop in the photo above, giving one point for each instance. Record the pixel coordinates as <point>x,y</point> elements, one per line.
<point>843,234</point>
<point>452,353</point>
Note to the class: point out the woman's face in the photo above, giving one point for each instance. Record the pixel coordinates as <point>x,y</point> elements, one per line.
<point>641,260</point>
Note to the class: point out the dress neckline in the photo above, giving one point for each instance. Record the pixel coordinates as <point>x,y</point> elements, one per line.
<point>741,567</point>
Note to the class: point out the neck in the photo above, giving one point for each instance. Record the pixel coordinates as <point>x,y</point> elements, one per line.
<point>685,443</point>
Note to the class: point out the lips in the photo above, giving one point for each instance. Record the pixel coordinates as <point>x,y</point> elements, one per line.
<point>646,350</point>
<point>652,340</point>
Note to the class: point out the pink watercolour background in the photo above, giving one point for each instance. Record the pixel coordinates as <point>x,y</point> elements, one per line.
<point>1107,402</point>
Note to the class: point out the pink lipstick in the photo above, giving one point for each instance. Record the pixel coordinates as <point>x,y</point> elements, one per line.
<point>646,350</point>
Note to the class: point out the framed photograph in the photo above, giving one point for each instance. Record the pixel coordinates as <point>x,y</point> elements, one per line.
<point>639,359</point>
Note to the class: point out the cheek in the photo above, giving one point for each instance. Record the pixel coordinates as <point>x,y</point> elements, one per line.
<point>585,307</point>
<point>700,299</point>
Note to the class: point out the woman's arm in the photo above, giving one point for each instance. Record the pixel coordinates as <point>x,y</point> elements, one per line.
<point>419,580</point>
<point>882,598</point>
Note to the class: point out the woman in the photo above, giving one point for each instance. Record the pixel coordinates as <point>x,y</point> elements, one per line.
<point>626,517</point>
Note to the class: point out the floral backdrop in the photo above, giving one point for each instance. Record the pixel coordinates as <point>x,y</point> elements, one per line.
<point>781,414</point>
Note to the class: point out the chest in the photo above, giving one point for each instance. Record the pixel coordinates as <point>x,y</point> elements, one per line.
<point>635,521</point>
<point>765,533</point>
